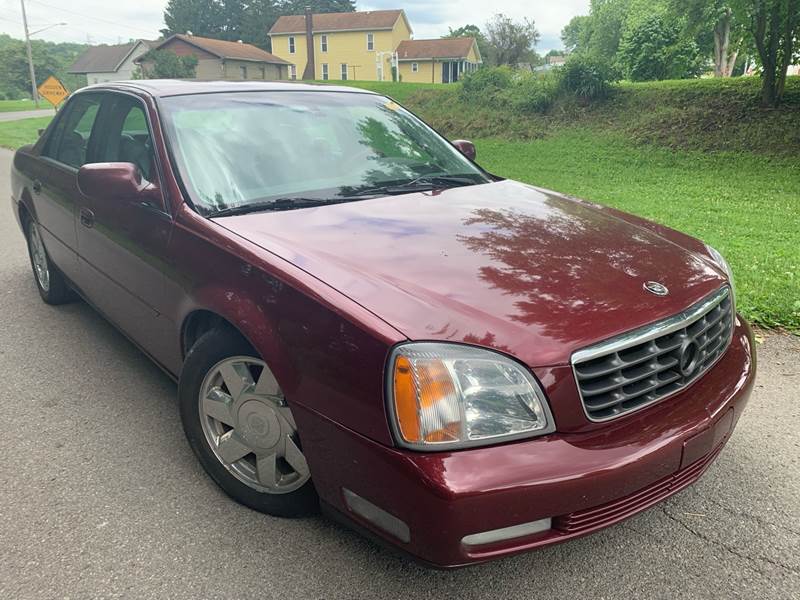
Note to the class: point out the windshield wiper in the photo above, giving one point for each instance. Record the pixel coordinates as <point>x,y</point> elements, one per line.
<point>278,204</point>
<point>422,183</point>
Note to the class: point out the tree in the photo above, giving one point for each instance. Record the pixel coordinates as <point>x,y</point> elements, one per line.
<point>475,32</point>
<point>201,17</point>
<point>576,33</point>
<point>714,22</point>
<point>232,20</point>
<point>774,25</point>
<point>512,42</point>
<point>165,64</point>
<point>655,49</point>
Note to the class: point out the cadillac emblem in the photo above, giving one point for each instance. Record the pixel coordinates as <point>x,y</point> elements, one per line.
<point>659,289</point>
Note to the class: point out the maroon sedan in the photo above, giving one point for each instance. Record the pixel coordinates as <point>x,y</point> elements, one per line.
<point>360,317</point>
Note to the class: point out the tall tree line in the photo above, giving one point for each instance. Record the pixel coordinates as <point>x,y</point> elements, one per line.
<point>664,39</point>
<point>246,20</point>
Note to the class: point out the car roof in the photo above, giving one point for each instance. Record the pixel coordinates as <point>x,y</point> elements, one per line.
<point>163,88</point>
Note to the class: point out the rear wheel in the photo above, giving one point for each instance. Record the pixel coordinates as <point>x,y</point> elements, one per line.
<point>52,285</point>
<point>241,429</point>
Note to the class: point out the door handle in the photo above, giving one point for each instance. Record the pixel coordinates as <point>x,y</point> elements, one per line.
<point>37,187</point>
<point>87,218</point>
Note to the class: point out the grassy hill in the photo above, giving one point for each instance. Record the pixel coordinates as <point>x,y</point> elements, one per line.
<point>704,114</point>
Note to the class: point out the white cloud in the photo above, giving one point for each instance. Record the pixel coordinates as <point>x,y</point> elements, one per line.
<point>105,21</point>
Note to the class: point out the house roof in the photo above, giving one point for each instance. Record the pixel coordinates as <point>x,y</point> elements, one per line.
<point>105,59</point>
<point>442,48</point>
<point>348,21</point>
<point>225,49</point>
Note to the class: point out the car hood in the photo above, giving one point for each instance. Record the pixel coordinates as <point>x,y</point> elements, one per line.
<point>504,265</point>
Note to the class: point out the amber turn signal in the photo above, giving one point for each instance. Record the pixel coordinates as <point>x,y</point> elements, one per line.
<point>426,401</point>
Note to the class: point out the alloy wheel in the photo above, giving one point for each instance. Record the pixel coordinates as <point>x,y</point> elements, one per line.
<point>39,257</point>
<point>249,427</point>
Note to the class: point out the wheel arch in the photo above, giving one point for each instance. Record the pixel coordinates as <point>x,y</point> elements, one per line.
<point>24,214</point>
<point>199,322</point>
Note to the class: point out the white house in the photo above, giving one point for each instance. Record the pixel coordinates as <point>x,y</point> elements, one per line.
<point>104,63</point>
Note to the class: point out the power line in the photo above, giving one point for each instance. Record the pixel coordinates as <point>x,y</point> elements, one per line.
<point>72,12</point>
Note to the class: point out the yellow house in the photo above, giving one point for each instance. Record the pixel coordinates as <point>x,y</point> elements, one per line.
<point>437,61</point>
<point>353,45</point>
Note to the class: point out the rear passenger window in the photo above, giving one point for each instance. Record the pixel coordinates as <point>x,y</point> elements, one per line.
<point>70,140</point>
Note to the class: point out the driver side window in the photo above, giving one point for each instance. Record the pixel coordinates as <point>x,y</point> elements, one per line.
<point>127,137</point>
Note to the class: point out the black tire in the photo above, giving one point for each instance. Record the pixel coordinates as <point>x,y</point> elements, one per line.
<point>212,348</point>
<point>57,291</point>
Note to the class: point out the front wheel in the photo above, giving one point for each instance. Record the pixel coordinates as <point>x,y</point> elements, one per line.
<point>241,429</point>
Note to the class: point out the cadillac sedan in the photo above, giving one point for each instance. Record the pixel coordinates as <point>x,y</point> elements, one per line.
<point>360,318</point>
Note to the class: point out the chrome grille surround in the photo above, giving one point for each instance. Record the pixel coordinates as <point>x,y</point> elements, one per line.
<point>636,369</point>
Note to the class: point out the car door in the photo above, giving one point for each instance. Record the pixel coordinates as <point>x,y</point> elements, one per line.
<point>122,243</point>
<point>54,179</point>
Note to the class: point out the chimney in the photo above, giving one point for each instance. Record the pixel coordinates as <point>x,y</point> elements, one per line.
<point>311,71</point>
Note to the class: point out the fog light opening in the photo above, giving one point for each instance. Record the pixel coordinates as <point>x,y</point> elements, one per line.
<point>507,533</point>
<point>377,516</point>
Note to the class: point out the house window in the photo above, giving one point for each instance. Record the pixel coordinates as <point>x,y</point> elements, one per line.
<point>293,72</point>
<point>323,43</point>
<point>325,72</point>
<point>291,45</point>
<point>243,71</point>
<point>370,42</point>
<point>415,67</point>
<point>263,71</point>
<point>344,72</point>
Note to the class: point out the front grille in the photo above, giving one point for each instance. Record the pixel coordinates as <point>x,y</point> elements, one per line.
<point>639,368</point>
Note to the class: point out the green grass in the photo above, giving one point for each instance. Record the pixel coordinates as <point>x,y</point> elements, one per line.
<point>17,105</point>
<point>14,134</point>
<point>745,205</point>
<point>402,92</point>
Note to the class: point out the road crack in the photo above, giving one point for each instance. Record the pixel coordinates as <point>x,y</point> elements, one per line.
<point>730,549</point>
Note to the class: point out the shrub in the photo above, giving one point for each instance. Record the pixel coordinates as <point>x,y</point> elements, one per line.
<point>586,78</point>
<point>485,83</point>
<point>534,93</point>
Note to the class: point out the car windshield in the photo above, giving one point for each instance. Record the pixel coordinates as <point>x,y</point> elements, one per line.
<point>281,150</point>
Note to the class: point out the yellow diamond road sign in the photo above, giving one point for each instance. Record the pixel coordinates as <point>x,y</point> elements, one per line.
<point>53,91</point>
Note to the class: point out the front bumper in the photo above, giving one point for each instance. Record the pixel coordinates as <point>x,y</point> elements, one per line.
<point>582,481</point>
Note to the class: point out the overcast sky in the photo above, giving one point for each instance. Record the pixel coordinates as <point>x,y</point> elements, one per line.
<point>110,22</point>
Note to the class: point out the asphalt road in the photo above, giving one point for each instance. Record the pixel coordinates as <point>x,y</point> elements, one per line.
<point>100,496</point>
<point>25,114</point>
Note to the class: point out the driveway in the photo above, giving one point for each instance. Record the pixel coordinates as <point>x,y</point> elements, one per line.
<point>25,114</point>
<point>100,496</point>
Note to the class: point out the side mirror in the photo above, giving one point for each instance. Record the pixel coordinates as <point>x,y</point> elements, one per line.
<point>111,180</point>
<point>466,148</point>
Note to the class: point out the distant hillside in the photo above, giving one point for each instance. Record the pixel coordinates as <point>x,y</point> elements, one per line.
<point>704,114</point>
<point>49,58</point>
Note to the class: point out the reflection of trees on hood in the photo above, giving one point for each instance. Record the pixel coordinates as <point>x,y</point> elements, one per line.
<point>547,261</point>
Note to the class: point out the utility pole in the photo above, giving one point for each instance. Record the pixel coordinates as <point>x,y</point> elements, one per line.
<point>30,56</point>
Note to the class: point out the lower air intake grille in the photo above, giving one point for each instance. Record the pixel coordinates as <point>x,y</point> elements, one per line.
<point>641,367</point>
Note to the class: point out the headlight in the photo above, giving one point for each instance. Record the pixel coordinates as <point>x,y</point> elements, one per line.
<point>446,396</point>
<point>722,264</point>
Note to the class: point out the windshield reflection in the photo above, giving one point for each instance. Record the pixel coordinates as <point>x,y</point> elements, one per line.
<point>238,149</point>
